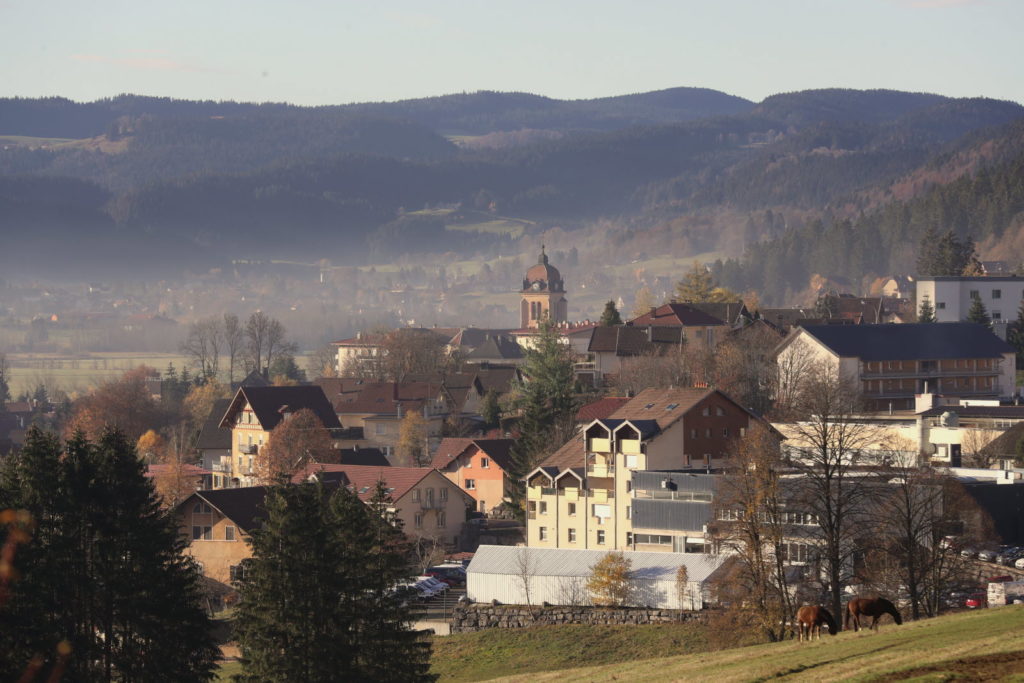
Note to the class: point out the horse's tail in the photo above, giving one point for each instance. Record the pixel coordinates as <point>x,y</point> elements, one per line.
<point>833,628</point>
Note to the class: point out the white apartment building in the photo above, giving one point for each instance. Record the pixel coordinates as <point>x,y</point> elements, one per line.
<point>952,296</point>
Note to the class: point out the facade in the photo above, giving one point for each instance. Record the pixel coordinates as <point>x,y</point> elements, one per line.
<point>379,407</point>
<point>480,467</point>
<point>894,363</point>
<point>583,495</point>
<point>255,411</point>
<point>952,296</point>
<point>560,576</point>
<point>543,295</point>
<point>214,445</point>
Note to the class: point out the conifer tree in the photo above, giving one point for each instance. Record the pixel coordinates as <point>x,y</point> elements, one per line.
<point>1015,335</point>
<point>316,600</point>
<point>546,402</point>
<point>926,314</point>
<point>978,313</point>
<point>104,590</point>
<point>696,286</point>
<point>610,317</point>
<point>490,409</point>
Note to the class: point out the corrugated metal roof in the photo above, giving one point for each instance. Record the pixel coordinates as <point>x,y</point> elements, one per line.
<point>505,559</point>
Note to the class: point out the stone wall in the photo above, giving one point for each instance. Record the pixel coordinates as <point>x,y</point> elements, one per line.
<point>476,617</point>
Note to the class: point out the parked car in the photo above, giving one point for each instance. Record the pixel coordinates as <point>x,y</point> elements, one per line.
<point>976,600</point>
<point>1019,564</point>
<point>969,551</point>
<point>988,555</point>
<point>438,586</point>
<point>453,575</point>
<point>1009,556</point>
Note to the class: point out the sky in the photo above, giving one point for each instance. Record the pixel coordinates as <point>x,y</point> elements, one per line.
<point>332,52</point>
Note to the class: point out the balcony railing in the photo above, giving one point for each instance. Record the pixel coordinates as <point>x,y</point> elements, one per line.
<point>598,470</point>
<point>935,373</point>
<point>601,445</point>
<point>533,493</point>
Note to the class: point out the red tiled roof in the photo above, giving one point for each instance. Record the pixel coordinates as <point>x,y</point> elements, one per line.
<point>364,478</point>
<point>498,450</point>
<point>600,409</point>
<point>676,315</point>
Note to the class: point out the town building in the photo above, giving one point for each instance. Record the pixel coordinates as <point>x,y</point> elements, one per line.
<point>583,495</point>
<point>480,467</point>
<point>255,411</point>
<point>892,364</point>
<point>952,297</point>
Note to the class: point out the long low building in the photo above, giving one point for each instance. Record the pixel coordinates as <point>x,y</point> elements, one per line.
<point>520,575</point>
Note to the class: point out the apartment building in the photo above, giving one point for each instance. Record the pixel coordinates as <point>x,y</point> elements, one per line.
<point>894,363</point>
<point>583,495</point>
<point>953,296</point>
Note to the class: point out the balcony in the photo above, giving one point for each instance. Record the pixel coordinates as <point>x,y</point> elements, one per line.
<point>601,445</point>
<point>533,493</point>
<point>601,495</point>
<point>431,504</point>
<point>598,470</point>
<point>630,446</point>
<point>571,494</point>
<point>929,373</point>
<point>221,467</point>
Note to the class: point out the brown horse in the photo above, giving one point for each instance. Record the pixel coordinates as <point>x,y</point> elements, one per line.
<point>875,608</point>
<point>809,619</point>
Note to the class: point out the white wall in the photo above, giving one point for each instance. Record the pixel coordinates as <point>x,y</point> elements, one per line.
<point>571,590</point>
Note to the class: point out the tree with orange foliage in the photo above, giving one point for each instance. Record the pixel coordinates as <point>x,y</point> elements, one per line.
<point>151,446</point>
<point>299,439</point>
<point>124,403</point>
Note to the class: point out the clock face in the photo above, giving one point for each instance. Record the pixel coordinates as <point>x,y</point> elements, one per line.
<point>536,286</point>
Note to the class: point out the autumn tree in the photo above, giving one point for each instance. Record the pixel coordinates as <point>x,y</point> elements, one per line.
<point>490,409</point>
<point>200,400</point>
<point>297,440</point>
<point>411,449</point>
<point>751,509</point>
<point>324,362</point>
<point>745,367</point>
<point>125,403</point>
<point>828,447</point>
<point>696,285</point>
<point>610,583</point>
<point>151,446</point>
<point>644,302</point>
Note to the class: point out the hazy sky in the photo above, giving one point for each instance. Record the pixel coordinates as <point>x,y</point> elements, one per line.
<point>325,52</point>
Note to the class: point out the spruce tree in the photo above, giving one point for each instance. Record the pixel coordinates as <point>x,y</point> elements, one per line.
<point>610,317</point>
<point>490,409</point>
<point>103,574</point>
<point>978,313</point>
<point>1015,335</point>
<point>316,599</point>
<point>546,402</point>
<point>926,314</point>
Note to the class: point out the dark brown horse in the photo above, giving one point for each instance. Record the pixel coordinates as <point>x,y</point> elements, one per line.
<point>870,607</point>
<point>809,619</point>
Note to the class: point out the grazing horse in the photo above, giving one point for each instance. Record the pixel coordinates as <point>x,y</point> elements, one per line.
<point>809,619</point>
<point>870,607</point>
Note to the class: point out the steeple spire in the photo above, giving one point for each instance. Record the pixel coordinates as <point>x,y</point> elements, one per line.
<point>543,257</point>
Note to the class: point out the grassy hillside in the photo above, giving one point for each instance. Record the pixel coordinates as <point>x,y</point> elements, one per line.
<point>983,645</point>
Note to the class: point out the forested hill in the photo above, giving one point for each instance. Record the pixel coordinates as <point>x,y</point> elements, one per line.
<point>467,113</point>
<point>208,181</point>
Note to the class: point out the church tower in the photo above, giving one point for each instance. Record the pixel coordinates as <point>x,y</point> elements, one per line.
<point>543,295</point>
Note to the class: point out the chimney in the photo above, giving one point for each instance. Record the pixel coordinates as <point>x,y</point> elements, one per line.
<point>654,311</point>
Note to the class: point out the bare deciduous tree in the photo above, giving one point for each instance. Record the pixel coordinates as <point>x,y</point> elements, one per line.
<point>203,345</point>
<point>525,567</point>
<point>234,340</point>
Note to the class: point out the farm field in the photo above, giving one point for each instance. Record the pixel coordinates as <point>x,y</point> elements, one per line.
<point>980,645</point>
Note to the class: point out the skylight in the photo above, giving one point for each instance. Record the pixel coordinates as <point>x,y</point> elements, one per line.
<point>671,406</point>
<point>648,406</point>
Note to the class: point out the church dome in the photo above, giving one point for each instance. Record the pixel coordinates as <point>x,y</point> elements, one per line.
<point>543,276</point>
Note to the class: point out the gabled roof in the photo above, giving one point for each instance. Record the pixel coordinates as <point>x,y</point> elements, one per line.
<point>271,403</point>
<point>498,450</point>
<point>600,409</point>
<point>1005,445</point>
<point>474,336</point>
<point>728,312</point>
<point>496,347</point>
<point>381,398</point>
<point>625,340</point>
<point>910,341</point>
<point>363,479</point>
<point>675,315</point>
<point>212,436</point>
<point>253,379</point>
<point>243,506</point>
<point>361,455</point>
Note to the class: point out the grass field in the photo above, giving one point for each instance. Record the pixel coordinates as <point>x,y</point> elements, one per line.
<point>499,652</point>
<point>79,373</point>
<point>981,645</point>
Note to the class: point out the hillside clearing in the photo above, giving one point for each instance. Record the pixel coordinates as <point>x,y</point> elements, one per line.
<point>986,643</point>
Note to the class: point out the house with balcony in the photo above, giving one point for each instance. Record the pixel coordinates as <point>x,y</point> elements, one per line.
<point>480,467</point>
<point>583,495</point>
<point>894,363</point>
<point>252,415</point>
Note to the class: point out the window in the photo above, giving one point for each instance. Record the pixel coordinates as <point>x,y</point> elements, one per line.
<point>380,428</point>
<point>719,412</point>
<point>601,511</point>
<point>415,495</point>
<point>442,495</point>
<point>725,431</point>
<point>418,520</point>
<point>939,305</point>
<point>693,433</point>
<point>975,294</point>
<point>543,508</point>
<point>542,533</point>
<point>198,507</point>
<point>707,432</point>
<point>469,463</point>
<point>237,572</point>
<point>441,520</point>
<point>629,512</point>
<point>572,509</point>
<point>430,496</point>
<point>572,535</point>
<point>705,411</point>
<point>997,294</point>
<point>229,533</point>
<point>600,536</point>
<point>470,484</point>
<point>485,463</point>
<point>997,315</point>
<point>631,461</point>
<point>743,431</point>
<point>652,539</point>
<point>207,533</point>
<point>629,538</point>
<point>197,533</point>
